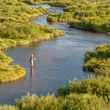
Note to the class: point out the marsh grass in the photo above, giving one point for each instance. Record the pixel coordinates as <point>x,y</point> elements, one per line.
<point>87,15</point>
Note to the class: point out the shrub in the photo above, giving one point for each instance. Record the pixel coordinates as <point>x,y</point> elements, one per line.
<point>87,15</point>
<point>28,102</point>
<point>98,61</point>
<point>83,102</point>
<point>70,102</point>
<point>32,102</point>
<point>96,86</point>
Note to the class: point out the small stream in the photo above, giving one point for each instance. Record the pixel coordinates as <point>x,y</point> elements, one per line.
<point>58,61</point>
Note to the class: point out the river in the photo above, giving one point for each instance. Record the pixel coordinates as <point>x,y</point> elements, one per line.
<point>58,61</point>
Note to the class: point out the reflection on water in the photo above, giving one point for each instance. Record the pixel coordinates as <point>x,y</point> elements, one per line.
<point>58,62</point>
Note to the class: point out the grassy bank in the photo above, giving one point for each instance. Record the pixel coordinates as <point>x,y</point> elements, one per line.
<point>72,101</point>
<point>16,26</point>
<point>8,71</point>
<point>50,102</point>
<point>89,15</point>
<point>98,61</point>
<point>43,33</point>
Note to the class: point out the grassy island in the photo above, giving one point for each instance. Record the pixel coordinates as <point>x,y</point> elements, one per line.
<point>90,15</point>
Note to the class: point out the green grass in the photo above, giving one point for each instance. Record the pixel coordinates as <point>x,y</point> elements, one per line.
<point>70,102</point>
<point>98,61</point>
<point>8,71</point>
<point>90,15</point>
<point>16,24</point>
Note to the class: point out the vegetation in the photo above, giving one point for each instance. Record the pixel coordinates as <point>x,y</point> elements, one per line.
<point>83,102</point>
<point>92,15</point>
<point>81,95</point>
<point>16,21</point>
<point>96,86</point>
<point>35,1</point>
<point>39,103</point>
<point>8,71</point>
<point>98,61</point>
<point>70,102</point>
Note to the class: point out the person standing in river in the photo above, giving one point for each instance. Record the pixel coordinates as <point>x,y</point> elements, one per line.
<point>32,60</point>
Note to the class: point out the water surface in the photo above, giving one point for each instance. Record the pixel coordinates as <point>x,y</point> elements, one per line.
<point>58,61</point>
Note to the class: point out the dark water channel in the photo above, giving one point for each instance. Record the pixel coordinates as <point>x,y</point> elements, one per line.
<point>58,61</point>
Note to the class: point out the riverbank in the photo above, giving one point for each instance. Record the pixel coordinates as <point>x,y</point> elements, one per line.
<point>98,61</point>
<point>18,27</point>
<point>74,96</point>
<point>85,15</point>
<point>9,72</point>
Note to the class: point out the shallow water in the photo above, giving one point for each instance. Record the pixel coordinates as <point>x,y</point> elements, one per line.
<point>58,61</point>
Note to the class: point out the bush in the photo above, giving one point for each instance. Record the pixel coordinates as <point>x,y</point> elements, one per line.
<point>98,61</point>
<point>97,86</point>
<point>87,15</point>
<point>28,103</point>
<point>83,102</point>
<point>70,102</point>
<point>32,102</point>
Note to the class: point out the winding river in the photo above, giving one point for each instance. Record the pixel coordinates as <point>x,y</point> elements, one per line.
<point>58,61</point>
